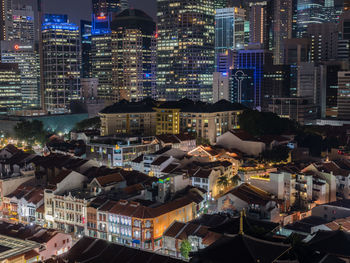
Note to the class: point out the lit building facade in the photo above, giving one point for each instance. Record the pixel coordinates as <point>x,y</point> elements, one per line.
<point>229,29</point>
<point>23,54</point>
<point>61,62</point>
<point>258,23</point>
<point>148,117</point>
<point>6,20</point>
<point>185,49</point>
<point>324,41</point>
<point>108,6</point>
<point>103,12</point>
<point>10,88</point>
<point>85,36</point>
<point>282,27</point>
<point>23,24</point>
<point>254,60</point>
<point>133,56</point>
<point>101,54</point>
<point>22,50</point>
<point>309,12</point>
<point>343,95</point>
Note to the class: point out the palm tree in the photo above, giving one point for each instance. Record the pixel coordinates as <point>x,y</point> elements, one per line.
<point>223,181</point>
<point>235,179</point>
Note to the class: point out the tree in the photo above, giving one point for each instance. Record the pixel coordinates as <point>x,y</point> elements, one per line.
<point>235,179</point>
<point>202,141</point>
<point>265,123</point>
<point>30,131</point>
<point>92,123</point>
<point>185,248</point>
<point>310,140</point>
<point>277,154</point>
<point>223,181</point>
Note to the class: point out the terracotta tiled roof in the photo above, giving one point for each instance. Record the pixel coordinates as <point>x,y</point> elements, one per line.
<point>35,196</point>
<point>31,254</point>
<point>133,188</point>
<point>243,135</point>
<point>110,179</point>
<point>138,159</point>
<point>96,250</point>
<point>201,173</point>
<point>174,229</point>
<point>11,148</point>
<point>41,209</point>
<point>168,138</point>
<point>107,206</point>
<point>160,160</point>
<point>251,194</point>
<point>171,167</point>
<point>270,138</point>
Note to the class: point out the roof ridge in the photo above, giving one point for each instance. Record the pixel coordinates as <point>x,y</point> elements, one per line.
<point>182,229</point>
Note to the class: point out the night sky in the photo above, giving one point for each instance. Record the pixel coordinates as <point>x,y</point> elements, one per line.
<point>81,9</point>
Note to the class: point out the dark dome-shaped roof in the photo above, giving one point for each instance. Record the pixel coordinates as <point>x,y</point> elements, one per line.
<point>131,12</point>
<point>134,18</point>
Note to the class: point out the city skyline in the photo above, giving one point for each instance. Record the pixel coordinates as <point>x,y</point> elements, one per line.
<point>81,9</point>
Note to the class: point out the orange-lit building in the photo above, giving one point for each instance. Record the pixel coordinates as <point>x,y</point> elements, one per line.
<point>142,225</point>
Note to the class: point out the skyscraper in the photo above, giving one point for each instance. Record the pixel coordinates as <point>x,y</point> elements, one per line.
<point>108,6</point>
<point>254,59</point>
<point>343,100</point>
<point>61,62</point>
<point>23,23</point>
<point>85,36</point>
<point>229,29</point>
<point>309,12</point>
<point>10,88</point>
<point>103,12</point>
<point>23,54</point>
<point>21,49</point>
<point>324,41</point>
<point>101,55</point>
<point>6,19</point>
<point>282,27</point>
<point>258,23</point>
<point>133,55</point>
<point>185,49</point>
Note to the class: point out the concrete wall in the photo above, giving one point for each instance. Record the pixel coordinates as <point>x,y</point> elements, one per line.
<point>330,212</point>
<point>229,140</point>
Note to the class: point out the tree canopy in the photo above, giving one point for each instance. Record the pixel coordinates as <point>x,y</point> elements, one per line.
<point>30,131</point>
<point>185,248</point>
<point>277,154</point>
<point>92,123</point>
<point>263,123</point>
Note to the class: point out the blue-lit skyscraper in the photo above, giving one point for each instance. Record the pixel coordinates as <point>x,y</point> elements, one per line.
<point>61,62</point>
<point>255,60</point>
